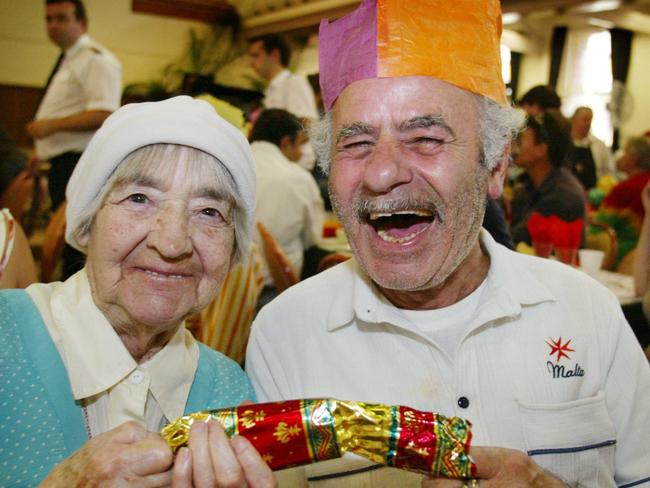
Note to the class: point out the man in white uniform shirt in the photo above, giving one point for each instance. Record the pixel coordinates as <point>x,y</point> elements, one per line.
<point>431,312</point>
<point>269,58</point>
<point>85,89</point>
<point>288,201</point>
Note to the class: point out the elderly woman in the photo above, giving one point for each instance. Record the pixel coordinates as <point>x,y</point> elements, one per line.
<point>162,204</point>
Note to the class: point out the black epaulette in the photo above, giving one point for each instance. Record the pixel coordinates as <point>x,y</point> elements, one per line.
<point>95,50</point>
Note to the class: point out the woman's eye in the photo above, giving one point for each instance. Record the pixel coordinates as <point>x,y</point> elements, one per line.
<point>138,198</point>
<point>211,212</point>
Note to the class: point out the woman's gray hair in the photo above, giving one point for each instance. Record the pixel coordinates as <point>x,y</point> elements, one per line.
<point>498,127</point>
<point>148,159</point>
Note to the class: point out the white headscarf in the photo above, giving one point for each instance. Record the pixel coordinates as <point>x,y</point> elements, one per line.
<point>179,120</point>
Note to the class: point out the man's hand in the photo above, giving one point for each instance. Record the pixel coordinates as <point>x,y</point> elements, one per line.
<point>214,460</point>
<point>125,456</point>
<point>497,467</point>
<point>38,129</point>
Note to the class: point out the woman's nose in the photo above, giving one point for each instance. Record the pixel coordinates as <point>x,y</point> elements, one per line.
<point>386,168</point>
<point>170,233</point>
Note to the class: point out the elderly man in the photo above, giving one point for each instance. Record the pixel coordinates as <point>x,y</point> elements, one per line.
<point>590,157</point>
<point>431,312</point>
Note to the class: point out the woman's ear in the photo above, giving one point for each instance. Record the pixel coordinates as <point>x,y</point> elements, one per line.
<point>84,238</point>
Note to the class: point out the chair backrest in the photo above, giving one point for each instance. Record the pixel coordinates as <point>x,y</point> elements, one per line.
<point>18,195</point>
<point>332,260</point>
<point>225,324</point>
<point>602,237</point>
<point>280,267</point>
<point>626,265</point>
<point>53,242</point>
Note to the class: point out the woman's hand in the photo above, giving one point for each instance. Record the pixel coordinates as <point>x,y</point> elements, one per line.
<point>214,460</point>
<point>128,455</point>
<point>497,467</point>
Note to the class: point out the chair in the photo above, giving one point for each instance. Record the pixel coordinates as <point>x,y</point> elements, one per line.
<point>626,266</point>
<point>225,323</point>
<point>280,267</point>
<point>53,242</point>
<point>602,237</point>
<point>18,195</point>
<point>332,260</point>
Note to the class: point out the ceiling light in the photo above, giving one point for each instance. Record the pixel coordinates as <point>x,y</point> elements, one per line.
<point>510,18</point>
<point>597,6</point>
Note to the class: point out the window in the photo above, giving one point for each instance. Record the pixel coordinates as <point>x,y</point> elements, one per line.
<point>586,77</point>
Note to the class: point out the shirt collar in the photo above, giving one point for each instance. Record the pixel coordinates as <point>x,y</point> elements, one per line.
<point>281,76</point>
<point>83,40</point>
<point>508,288</point>
<point>265,151</point>
<point>97,358</point>
<point>172,372</point>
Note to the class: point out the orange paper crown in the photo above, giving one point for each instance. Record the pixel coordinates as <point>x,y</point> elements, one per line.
<point>455,41</point>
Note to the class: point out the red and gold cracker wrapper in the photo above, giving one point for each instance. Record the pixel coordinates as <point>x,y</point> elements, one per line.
<point>298,432</point>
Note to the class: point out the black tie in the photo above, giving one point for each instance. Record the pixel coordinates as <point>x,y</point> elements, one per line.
<point>54,70</point>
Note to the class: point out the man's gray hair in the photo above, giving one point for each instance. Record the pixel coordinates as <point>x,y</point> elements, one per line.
<point>149,159</point>
<point>498,127</point>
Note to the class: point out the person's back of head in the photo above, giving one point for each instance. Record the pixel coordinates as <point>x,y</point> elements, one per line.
<point>272,42</point>
<point>550,129</point>
<point>539,99</point>
<point>274,124</point>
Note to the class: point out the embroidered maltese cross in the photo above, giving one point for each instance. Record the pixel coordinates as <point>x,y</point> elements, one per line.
<point>560,349</point>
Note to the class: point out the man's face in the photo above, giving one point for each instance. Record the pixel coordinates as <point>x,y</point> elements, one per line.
<point>405,178</point>
<point>261,61</point>
<point>581,123</point>
<point>528,150</point>
<point>63,27</point>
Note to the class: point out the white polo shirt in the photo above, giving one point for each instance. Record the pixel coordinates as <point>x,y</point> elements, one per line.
<point>291,92</point>
<point>287,202</point>
<point>89,78</point>
<point>548,364</point>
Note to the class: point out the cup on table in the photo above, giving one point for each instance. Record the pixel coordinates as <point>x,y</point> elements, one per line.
<point>591,260</point>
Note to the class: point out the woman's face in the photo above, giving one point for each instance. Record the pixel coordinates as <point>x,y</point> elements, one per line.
<point>160,246</point>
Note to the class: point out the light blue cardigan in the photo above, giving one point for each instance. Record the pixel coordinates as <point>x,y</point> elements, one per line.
<point>40,422</point>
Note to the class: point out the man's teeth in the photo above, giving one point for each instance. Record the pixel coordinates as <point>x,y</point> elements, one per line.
<point>419,213</point>
<point>385,236</point>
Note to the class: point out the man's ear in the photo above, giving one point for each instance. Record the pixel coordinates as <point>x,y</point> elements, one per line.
<point>498,174</point>
<point>284,143</point>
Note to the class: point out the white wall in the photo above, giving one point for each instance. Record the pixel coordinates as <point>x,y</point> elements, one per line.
<point>144,43</point>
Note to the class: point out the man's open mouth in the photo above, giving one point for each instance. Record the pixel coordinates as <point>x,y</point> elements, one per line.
<point>402,226</point>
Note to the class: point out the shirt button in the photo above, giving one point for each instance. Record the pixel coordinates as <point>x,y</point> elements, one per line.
<point>463,402</point>
<point>137,377</point>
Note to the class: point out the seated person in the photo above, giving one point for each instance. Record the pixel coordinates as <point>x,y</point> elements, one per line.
<point>17,268</point>
<point>540,99</point>
<point>622,208</point>
<point>547,187</point>
<point>288,201</point>
<point>161,202</point>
